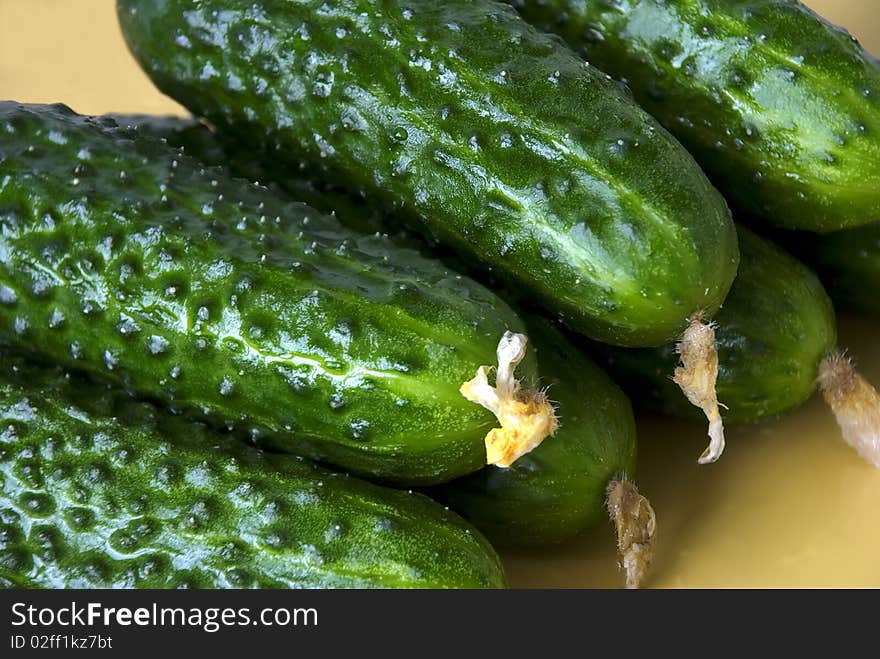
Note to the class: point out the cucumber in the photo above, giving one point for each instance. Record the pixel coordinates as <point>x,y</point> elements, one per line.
<point>781,108</point>
<point>546,496</point>
<point>197,140</point>
<point>776,338</point>
<point>848,263</point>
<point>124,258</point>
<point>772,333</point>
<point>101,491</point>
<point>559,488</point>
<point>489,135</point>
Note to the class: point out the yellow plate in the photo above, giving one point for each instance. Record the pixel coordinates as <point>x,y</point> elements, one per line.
<point>788,505</point>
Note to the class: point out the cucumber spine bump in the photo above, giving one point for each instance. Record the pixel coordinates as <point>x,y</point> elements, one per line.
<point>127,259</point>
<point>781,108</point>
<point>493,136</point>
<point>102,491</point>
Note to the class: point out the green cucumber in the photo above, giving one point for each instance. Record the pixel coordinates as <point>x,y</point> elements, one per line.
<point>198,141</point>
<point>776,339</point>
<point>101,491</point>
<point>559,488</point>
<point>122,257</point>
<point>555,491</point>
<point>490,135</point>
<point>781,108</point>
<point>774,330</point>
<point>848,263</point>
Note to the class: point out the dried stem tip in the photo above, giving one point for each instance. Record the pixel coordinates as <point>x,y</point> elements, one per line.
<point>696,377</point>
<point>525,415</point>
<point>855,403</point>
<point>636,526</point>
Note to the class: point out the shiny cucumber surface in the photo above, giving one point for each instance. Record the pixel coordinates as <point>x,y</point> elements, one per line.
<point>102,491</point>
<point>781,108</point>
<point>493,137</point>
<point>560,488</point>
<point>774,330</point>
<point>127,259</point>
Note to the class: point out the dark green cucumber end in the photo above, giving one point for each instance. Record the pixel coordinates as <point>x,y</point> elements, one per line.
<point>773,331</point>
<point>559,489</point>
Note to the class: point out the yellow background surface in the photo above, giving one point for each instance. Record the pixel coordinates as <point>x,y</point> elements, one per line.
<point>789,504</point>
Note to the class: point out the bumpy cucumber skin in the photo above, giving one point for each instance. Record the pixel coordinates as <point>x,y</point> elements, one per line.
<point>848,263</point>
<point>101,491</point>
<point>781,108</point>
<point>125,258</point>
<point>495,137</point>
<point>772,332</point>
<point>550,494</point>
<point>558,489</point>
<point>203,144</point>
